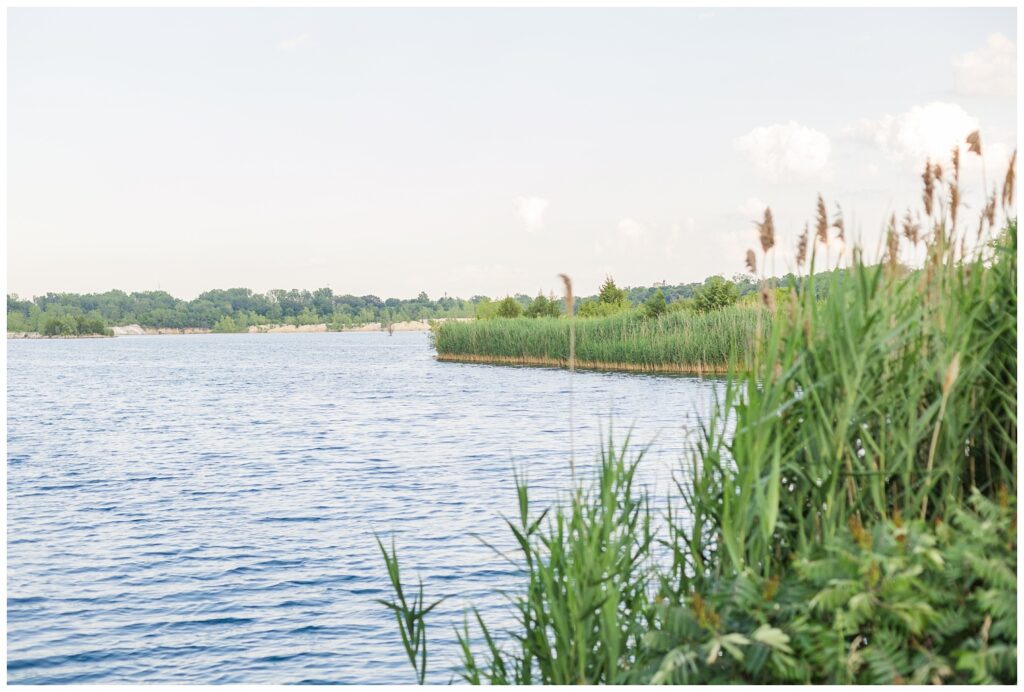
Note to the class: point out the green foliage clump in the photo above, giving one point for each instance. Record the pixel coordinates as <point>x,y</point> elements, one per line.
<point>60,323</point>
<point>227,325</point>
<point>903,603</point>
<point>587,594</point>
<point>610,294</point>
<point>591,308</point>
<point>655,306</point>
<point>508,307</point>
<point>544,307</point>
<point>715,294</point>
<point>610,300</point>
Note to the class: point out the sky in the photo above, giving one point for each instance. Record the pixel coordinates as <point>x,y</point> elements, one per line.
<point>474,151</point>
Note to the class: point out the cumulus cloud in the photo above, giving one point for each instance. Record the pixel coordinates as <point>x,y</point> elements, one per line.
<point>925,131</point>
<point>531,211</point>
<point>631,229</point>
<point>786,151</point>
<point>989,71</point>
<point>296,42</point>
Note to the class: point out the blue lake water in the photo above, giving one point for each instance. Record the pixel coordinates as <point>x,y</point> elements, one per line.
<point>202,509</point>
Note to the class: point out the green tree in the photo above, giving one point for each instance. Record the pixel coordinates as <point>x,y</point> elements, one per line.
<point>226,325</point>
<point>17,322</point>
<point>486,309</point>
<point>610,294</point>
<point>307,316</point>
<point>509,307</point>
<point>543,307</point>
<point>715,294</point>
<point>681,304</point>
<point>55,324</point>
<point>611,300</point>
<point>595,308</point>
<point>655,306</point>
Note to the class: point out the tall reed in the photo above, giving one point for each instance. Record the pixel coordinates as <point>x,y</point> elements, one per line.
<point>897,394</point>
<point>679,341</point>
<point>850,514</point>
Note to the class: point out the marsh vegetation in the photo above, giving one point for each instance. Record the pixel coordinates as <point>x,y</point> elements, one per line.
<point>850,514</point>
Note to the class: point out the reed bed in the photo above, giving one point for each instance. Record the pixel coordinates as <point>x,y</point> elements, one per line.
<point>850,513</point>
<point>680,342</point>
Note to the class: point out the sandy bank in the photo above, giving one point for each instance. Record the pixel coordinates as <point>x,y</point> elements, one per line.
<point>136,330</point>
<point>37,335</point>
<point>411,326</point>
<point>286,328</point>
<point>661,368</point>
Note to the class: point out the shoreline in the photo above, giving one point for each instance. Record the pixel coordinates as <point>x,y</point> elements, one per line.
<point>534,361</point>
<point>138,330</point>
<point>37,335</point>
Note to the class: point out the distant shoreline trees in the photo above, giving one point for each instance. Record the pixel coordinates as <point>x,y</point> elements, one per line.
<point>237,309</point>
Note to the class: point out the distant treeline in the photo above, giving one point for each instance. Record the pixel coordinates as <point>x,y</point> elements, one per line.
<point>233,309</point>
<point>236,309</point>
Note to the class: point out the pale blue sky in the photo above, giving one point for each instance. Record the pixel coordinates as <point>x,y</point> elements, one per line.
<point>470,151</point>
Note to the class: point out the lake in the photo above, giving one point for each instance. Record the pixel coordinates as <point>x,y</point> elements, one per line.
<point>202,509</point>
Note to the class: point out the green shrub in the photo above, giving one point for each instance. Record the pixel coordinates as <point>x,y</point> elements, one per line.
<point>595,308</point>
<point>509,307</point>
<point>715,294</point>
<point>227,325</point>
<point>655,306</point>
<point>902,603</point>
<point>58,325</point>
<point>544,307</point>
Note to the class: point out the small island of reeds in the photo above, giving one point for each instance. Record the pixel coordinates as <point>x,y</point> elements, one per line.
<point>683,341</point>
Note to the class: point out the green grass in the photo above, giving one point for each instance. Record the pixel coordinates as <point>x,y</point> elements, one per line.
<point>682,341</point>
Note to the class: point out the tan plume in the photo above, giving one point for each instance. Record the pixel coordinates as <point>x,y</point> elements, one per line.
<point>801,247</point>
<point>974,142</point>
<point>766,230</point>
<point>822,224</point>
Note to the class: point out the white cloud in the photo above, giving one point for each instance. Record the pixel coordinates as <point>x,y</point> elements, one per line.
<point>631,229</point>
<point>531,211</point>
<point>989,71</point>
<point>925,131</point>
<point>753,208</point>
<point>296,42</point>
<point>788,151</point>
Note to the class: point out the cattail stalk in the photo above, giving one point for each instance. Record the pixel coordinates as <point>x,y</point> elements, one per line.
<point>1008,183</point>
<point>570,313</point>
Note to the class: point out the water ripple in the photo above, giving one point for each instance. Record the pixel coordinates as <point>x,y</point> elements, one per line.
<point>204,509</point>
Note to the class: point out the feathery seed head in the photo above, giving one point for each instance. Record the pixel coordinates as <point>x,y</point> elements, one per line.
<point>974,142</point>
<point>1009,181</point>
<point>766,230</point>
<point>801,247</point>
<point>822,227</point>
